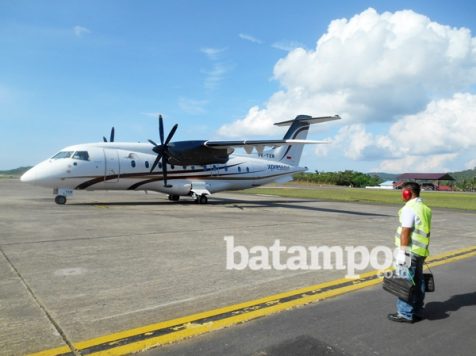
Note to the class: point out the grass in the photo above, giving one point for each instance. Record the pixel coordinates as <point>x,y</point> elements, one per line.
<point>451,200</point>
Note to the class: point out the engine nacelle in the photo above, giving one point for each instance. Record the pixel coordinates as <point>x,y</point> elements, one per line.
<point>194,152</point>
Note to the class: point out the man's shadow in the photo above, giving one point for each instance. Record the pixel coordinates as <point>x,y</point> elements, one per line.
<point>440,310</point>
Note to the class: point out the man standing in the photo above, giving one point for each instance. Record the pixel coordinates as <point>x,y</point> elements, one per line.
<point>412,239</point>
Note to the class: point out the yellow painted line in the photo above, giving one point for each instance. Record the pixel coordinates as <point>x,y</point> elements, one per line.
<point>441,260</point>
<point>170,331</point>
<point>193,317</point>
<point>53,352</point>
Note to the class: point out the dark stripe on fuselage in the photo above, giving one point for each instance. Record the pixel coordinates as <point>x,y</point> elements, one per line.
<point>298,131</point>
<point>208,177</point>
<point>100,179</point>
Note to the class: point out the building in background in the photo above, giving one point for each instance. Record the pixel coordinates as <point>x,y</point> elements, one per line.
<point>428,181</point>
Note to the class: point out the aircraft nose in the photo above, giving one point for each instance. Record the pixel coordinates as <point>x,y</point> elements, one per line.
<point>28,176</point>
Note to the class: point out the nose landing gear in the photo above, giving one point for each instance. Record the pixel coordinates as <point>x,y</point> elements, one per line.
<point>60,199</point>
<point>61,194</point>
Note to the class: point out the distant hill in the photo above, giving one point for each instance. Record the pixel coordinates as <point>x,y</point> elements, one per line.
<point>15,172</point>
<point>467,175</point>
<point>384,176</point>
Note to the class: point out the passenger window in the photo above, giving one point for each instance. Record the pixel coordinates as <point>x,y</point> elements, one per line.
<point>146,164</point>
<point>160,164</point>
<point>172,166</point>
<point>133,164</point>
<point>239,169</point>
<point>81,155</point>
<point>247,170</point>
<point>184,167</point>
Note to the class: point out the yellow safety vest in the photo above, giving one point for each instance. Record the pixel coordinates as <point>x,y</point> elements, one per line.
<point>420,237</point>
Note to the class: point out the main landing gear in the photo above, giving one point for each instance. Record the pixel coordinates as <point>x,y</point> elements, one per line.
<point>200,199</point>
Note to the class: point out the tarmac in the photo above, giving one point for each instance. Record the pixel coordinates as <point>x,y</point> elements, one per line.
<point>109,262</point>
<point>355,324</point>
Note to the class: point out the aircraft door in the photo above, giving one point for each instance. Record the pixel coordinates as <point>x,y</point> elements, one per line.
<point>215,170</point>
<point>111,166</point>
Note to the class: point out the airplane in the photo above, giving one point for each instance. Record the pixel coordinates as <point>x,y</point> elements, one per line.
<point>195,168</point>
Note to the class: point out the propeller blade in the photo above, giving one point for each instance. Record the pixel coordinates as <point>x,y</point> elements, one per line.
<point>161,129</point>
<point>171,134</point>
<point>152,142</point>
<point>112,135</point>
<point>164,170</point>
<point>104,139</point>
<point>156,162</point>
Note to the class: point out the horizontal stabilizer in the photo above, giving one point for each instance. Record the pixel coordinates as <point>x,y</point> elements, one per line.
<point>308,119</point>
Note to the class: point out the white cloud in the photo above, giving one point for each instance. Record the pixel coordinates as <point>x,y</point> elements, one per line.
<point>393,79</point>
<point>471,164</point>
<point>192,106</point>
<point>442,132</point>
<point>445,126</point>
<point>250,38</point>
<point>79,31</point>
<point>217,73</point>
<point>286,45</point>
<point>212,53</point>
<point>433,163</point>
<point>255,121</point>
<point>215,76</point>
<point>370,68</point>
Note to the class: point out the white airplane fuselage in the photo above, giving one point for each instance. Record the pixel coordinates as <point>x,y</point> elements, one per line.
<point>205,167</point>
<point>126,166</point>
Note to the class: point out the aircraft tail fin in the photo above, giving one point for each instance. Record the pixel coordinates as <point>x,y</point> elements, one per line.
<point>298,130</point>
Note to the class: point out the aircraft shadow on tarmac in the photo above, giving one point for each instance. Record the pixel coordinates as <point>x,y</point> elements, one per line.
<point>441,310</point>
<point>238,204</point>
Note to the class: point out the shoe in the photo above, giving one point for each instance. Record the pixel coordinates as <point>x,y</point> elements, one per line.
<point>398,318</point>
<point>417,318</point>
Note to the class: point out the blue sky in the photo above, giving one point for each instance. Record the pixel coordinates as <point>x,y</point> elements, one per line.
<point>69,70</point>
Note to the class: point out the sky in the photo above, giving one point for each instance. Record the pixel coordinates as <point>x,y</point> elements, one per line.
<point>401,74</point>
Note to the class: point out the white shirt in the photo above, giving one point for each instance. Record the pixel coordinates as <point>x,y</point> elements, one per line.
<point>408,217</point>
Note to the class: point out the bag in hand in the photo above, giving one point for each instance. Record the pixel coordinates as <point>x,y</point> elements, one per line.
<point>399,287</point>
<point>429,282</point>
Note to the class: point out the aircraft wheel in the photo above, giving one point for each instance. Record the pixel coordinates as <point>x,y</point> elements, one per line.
<point>202,199</point>
<point>173,197</point>
<point>60,199</point>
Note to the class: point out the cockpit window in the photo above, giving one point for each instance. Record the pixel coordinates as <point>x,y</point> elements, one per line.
<point>62,154</point>
<point>81,155</point>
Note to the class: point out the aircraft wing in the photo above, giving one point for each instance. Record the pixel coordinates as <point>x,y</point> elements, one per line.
<point>248,145</point>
